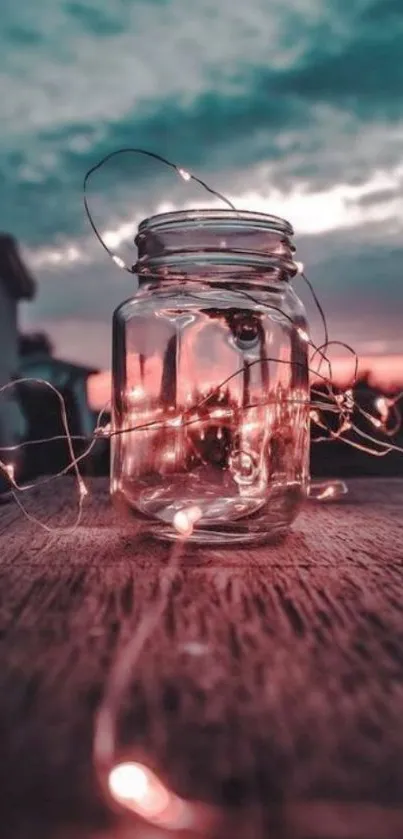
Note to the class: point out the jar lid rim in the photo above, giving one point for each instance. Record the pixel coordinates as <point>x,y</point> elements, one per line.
<point>208,215</point>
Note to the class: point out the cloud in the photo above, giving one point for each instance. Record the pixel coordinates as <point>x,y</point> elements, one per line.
<point>319,96</point>
<point>290,108</point>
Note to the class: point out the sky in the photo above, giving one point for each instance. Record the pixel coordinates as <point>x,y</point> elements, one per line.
<point>293,108</point>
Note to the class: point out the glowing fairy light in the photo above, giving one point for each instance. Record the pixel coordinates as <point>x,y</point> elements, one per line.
<point>169,456</point>
<point>185,175</point>
<point>9,468</point>
<point>249,427</point>
<point>118,261</point>
<point>377,423</point>
<point>382,405</point>
<point>182,523</point>
<point>137,788</point>
<point>176,422</point>
<point>129,781</point>
<point>136,393</point>
<point>329,492</point>
<point>104,430</point>
<point>303,335</point>
<point>82,489</point>
<point>184,520</point>
<point>220,413</point>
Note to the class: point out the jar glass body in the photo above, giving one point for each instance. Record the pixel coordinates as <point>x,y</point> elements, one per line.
<point>210,413</point>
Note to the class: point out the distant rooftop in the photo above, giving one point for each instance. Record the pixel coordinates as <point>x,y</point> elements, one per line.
<point>59,366</point>
<point>13,273</point>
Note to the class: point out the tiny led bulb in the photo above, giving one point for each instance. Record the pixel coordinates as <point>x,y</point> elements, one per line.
<point>103,430</point>
<point>128,781</point>
<point>329,492</point>
<point>136,392</point>
<point>376,422</point>
<point>175,421</point>
<point>136,787</point>
<point>184,174</point>
<point>118,261</point>
<point>83,490</point>
<point>9,468</point>
<point>382,405</point>
<point>184,520</point>
<point>303,335</point>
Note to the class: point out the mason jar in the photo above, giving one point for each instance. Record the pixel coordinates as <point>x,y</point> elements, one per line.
<point>210,412</point>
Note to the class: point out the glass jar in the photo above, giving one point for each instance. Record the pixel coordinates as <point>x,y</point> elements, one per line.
<point>210,415</point>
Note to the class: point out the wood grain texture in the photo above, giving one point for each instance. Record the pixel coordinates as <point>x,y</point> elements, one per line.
<point>274,675</point>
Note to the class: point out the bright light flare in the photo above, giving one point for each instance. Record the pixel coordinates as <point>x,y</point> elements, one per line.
<point>136,787</point>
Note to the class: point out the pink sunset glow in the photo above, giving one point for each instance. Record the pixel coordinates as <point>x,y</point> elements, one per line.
<point>385,372</point>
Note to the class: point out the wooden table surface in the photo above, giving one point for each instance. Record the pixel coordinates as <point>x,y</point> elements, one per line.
<point>275,674</point>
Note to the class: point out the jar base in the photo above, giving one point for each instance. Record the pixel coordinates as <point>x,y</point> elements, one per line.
<point>222,521</point>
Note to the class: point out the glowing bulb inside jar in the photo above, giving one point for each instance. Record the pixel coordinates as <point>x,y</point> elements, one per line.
<point>136,393</point>
<point>303,335</point>
<point>175,421</point>
<point>184,520</point>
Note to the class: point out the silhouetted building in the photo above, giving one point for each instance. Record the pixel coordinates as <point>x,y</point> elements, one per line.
<point>16,283</point>
<point>43,410</point>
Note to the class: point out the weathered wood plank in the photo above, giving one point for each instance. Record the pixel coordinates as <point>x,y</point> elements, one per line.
<point>295,691</point>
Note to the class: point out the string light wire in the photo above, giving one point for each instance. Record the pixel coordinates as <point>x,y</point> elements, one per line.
<point>341,404</point>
